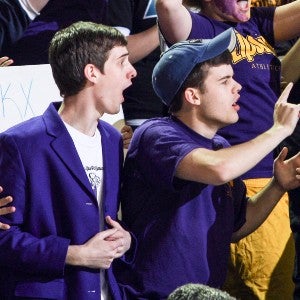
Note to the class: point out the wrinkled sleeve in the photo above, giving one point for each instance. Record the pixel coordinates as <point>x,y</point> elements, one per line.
<point>160,154</point>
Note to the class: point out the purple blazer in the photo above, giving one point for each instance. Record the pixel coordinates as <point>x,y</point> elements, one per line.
<point>56,207</point>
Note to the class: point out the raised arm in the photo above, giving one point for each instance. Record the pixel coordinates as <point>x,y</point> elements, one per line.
<point>122,15</point>
<point>287,21</point>
<point>290,64</point>
<point>142,44</point>
<point>221,166</point>
<point>175,21</point>
<point>286,177</point>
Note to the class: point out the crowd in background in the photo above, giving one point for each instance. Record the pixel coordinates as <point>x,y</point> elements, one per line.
<point>266,263</point>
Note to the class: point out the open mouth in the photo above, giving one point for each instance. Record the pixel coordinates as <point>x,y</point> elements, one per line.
<point>242,4</point>
<point>236,106</point>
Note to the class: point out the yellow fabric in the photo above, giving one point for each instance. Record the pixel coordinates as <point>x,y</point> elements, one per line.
<point>261,264</point>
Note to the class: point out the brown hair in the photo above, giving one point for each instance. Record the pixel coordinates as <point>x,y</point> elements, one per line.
<point>72,48</point>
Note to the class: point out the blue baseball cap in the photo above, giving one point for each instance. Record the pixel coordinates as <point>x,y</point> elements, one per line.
<point>178,61</point>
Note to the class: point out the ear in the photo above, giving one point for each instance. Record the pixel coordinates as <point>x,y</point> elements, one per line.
<point>192,95</point>
<point>91,73</point>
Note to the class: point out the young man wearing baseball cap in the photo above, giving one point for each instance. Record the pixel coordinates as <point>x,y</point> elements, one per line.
<point>180,194</point>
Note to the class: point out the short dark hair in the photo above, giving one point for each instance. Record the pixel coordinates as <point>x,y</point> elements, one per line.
<point>72,48</point>
<point>197,291</point>
<point>197,77</point>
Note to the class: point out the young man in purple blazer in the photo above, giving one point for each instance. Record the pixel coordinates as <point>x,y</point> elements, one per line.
<point>63,171</point>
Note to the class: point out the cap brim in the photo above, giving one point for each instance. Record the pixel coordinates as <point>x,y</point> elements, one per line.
<point>177,62</point>
<point>216,46</point>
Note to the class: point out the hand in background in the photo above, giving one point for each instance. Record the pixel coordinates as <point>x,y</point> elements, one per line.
<point>287,172</point>
<point>5,210</point>
<point>5,61</point>
<point>127,133</point>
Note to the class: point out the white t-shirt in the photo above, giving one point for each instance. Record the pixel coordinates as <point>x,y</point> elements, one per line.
<point>89,150</point>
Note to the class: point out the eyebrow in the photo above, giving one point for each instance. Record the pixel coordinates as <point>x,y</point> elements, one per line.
<point>225,77</point>
<point>123,55</point>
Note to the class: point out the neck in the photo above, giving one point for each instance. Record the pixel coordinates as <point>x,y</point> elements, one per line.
<point>194,122</point>
<point>79,115</point>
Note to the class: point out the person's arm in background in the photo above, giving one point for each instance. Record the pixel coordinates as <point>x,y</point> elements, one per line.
<point>290,64</point>
<point>140,45</point>
<point>174,20</point>
<point>15,16</point>
<point>287,21</point>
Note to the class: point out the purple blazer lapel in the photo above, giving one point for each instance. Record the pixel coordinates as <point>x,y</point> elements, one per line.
<point>63,146</point>
<point>112,161</point>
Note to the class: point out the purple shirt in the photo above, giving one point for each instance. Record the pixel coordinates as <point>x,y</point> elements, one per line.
<point>183,228</point>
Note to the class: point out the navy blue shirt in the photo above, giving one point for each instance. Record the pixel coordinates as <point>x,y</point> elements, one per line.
<point>32,48</point>
<point>141,102</point>
<point>13,21</point>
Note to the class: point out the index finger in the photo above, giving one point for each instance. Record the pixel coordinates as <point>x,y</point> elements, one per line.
<point>285,94</point>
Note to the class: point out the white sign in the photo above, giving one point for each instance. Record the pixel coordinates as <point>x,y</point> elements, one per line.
<point>26,92</point>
